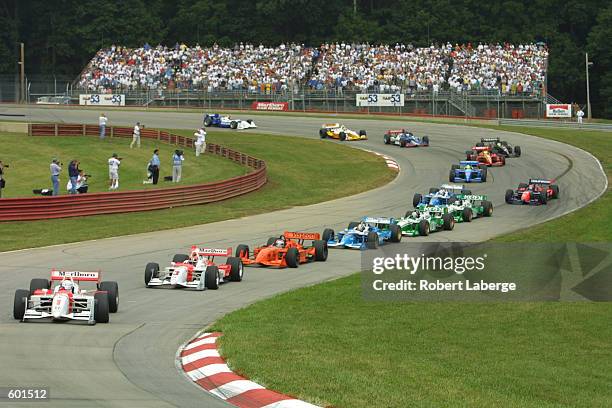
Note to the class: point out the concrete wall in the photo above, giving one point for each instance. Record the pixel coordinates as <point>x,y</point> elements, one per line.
<point>14,127</point>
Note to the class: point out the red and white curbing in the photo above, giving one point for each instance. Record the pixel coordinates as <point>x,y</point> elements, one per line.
<point>202,363</point>
<point>390,162</point>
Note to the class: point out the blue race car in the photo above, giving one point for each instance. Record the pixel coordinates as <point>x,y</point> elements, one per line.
<point>443,195</point>
<point>404,138</point>
<point>468,171</point>
<point>369,233</point>
<point>222,121</point>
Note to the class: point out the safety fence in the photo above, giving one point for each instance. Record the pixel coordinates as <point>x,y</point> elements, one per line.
<point>37,208</point>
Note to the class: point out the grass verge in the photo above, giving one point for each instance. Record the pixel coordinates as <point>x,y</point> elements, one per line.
<point>299,174</point>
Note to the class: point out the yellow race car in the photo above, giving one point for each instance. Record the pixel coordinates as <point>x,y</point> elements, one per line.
<point>340,132</point>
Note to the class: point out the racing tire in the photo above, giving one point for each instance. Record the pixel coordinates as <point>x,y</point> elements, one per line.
<point>180,258</point>
<point>112,292</point>
<point>151,271</point>
<point>466,192</point>
<point>271,241</point>
<point>396,233</point>
<point>19,307</point>
<point>362,133</point>
<point>372,242</point>
<point>483,174</point>
<point>449,222</point>
<point>328,234</point>
<point>467,214</point>
<point>416,199</point>
<point>454,167</point>
<point>433,190</point>
<point>233,125</point>
<point>249,121</point>
<point>101,308</point>
<point>236,269</point>
<point>323,133</point>
<point>342,136</point>
<point>321,250</point>
<point>242,251</point>
<point>509,196</point>
<point>487,208</point>
<point>510,149</point>
<point>353,224</point>
<point>451,176</point>
<point>543,199</point>
<point>423,228</point>
<point>502,160</point>
<point>292,258</point>
<point>38,283</point>
<point>523,185</point>
<point>408,214</point>
<point>386,139</point>
<point>402,143</point>
<point>425,140</point>
<point>207,121</point>
<point>555,189</point>
<point>211,277</point>
<point>517,151</point>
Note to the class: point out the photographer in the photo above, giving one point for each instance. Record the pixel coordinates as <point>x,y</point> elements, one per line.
<point>2,181</point>
<point>73,174</point>
<point>55,167</point>
<point>81,183</point>
<point>113,171</point>
<point>177,165</point>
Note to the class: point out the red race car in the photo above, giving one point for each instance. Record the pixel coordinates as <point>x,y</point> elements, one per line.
<point>536,192</point>
<point>288,250</point>
<point>483,155</point>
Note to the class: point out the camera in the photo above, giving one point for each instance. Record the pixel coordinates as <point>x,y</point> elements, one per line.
<point>6,166</point>
<point>179,152</point>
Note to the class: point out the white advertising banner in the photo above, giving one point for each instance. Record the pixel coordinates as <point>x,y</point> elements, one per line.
<point>560,110</point>
<point>102,99</point>
<point>380,99</point>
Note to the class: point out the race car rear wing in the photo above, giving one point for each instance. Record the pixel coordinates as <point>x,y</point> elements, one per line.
<point>481,148</point>
<point>540,181</point>
<point>302,235</point>
<point>470,162</point>
<point>452,186</point>
<point>490,139</point>
<point>330,125</point>
<point>396,131</point>
<point>78,276</point>
<point>471,197</point>
<point>212,251</point>
<point>378,220</point>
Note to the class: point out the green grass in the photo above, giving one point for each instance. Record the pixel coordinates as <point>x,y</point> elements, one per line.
<point>298,170</point>
<point>326,345</point>
<point>29,159</point>
<point>589,224</point>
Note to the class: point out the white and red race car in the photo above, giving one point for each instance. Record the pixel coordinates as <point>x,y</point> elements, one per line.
<point>196,270</point>
<point>61,298</point>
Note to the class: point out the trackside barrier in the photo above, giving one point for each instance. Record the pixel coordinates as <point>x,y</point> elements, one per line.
<point>38,208</point>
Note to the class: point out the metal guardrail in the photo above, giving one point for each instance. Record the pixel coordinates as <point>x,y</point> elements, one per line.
<point>36,208</point>
<point>555,123</point>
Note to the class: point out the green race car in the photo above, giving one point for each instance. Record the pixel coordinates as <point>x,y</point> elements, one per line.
<point>422,222</point>
<point>463,207</point>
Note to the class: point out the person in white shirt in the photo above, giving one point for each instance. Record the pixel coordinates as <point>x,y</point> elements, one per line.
<point>177,165</point>
<point>200,142</point>
<point>136,136</point>
<point>102,122</point>
<point>579,115</point>
<point>113,171</point>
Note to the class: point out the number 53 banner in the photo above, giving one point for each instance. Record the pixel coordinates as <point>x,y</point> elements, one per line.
<point>102,99</point>
<point>380,99</point>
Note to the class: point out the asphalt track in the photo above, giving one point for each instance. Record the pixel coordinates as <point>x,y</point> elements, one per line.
<point>131,361</point>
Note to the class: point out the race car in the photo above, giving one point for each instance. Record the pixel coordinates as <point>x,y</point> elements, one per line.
<point>468,172</point>
<point>222,121</point>
<point>536,192</point>
<point>196,270</point>
<point>404,138</point>
<point>441,193</point>
<point>500,147</point>
<point>432,219</point>
<point>456,201</point>
<point>368,233</point>
<point>287,250</point>
<point>483,154</point>
<point>61,298</point>
<point>340,132</point>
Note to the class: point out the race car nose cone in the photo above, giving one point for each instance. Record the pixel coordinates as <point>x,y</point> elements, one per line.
<point>60,307</point>
<point>526,196</point>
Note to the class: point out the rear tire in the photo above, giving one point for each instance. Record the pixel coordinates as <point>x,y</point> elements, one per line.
<point>372,240</point>
<point>353,224</point>
<point>416,200</point>
<point>242,251</point>
<point>509,196</point>
<point>112,293</point>
<point>101,308</point>
<point>451,176</point>
<point>151,271</point>
<point>523,185</point>
<point>236,269</point>
<point>207,121</point>
<point>37,283</point>
<point>487,208</point>
<point>271,241</point>
<point>543,198</point>
<point>180,258</point>
<point>396,233</point>
<point>292,258</point>
<point>321,251</point>
<point>328,234</point>
<point>211,277</point>
<point>433,190</point>
<point>449,222</point>
<point>483,174</point>
<point>467,214</point>
<point>19,307</point>
<point>423,228</point>
<point>555,189</point>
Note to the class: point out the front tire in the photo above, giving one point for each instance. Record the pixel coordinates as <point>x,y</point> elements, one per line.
<point>509,196</point>
<point>449,222</point>
<point>372,242</point>
<point>236,269</point>
<point>321,251</point>
<point>292,258</point>
<point>387,139</point>
<point>112,293</point>
<point>396,233</point>
<point>555,189</point>
<point>101,308</point>
<point>323,133</point>
<point>19,306</point>
<point>423,228</point>
<point>487,208</point>
<point>151,271</point>
<point>467,214</point>
<point>342,136</point>
<point>517,151</point>
<point>211,277</point>
<point>233,125</point>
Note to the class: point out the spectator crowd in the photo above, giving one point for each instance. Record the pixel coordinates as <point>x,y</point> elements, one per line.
<point>504,68</point>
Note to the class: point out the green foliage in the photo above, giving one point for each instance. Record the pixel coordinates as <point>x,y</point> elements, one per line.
<point>62,35</point>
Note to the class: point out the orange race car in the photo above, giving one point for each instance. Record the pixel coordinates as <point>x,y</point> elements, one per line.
<point>288,250</point>
<point>483,155</point>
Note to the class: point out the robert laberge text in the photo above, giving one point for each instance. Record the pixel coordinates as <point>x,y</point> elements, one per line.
<point>437,285</point>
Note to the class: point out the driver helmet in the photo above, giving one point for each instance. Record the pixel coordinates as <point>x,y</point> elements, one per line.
<point>485,153</point>
<point>416,213</point>
<point>435,201</point>
<point>68,286</point>
<point>194,256</point>
<point>468,167</point>
<point>280,242</point>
